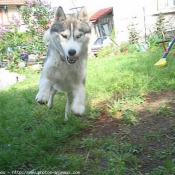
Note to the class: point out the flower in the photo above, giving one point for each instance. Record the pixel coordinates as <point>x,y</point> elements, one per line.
<point>28,3</point>
<point>36,2</point>
<point>28,40</point>
<point>35,37</point>
<point>45,3</point>
<point>40,31</point>
<point>17,21</point>
<point>52,10</point>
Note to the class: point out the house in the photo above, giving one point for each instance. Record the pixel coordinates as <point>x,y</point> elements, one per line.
<point>143,13</point>
<point>102,21</point>
<point>8,9</point>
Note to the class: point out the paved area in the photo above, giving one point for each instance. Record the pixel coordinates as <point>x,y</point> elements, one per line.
<point>9,78</point>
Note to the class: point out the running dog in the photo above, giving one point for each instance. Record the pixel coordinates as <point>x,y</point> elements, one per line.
<point>65,65</point>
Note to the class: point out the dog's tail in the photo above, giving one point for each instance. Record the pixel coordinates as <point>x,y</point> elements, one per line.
<point>46,37</point>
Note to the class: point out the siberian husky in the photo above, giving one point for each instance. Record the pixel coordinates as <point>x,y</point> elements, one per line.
<point>65,65</point>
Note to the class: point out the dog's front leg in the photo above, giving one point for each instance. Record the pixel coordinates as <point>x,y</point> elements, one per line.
<point>69,101</point>
<point>43,95</point>
<point>78,106</point>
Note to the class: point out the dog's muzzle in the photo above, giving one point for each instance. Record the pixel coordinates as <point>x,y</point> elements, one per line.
<point>71,59</point>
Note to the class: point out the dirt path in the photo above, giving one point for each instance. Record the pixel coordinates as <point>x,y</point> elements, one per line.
<point>9,78</point>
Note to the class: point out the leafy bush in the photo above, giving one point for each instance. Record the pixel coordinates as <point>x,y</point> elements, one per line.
<point>159,28</point>
<point>133,33</point>
<point>36,15</point>
<point>124,46</point>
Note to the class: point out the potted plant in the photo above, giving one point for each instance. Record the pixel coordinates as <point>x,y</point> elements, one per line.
<point>124,47</point>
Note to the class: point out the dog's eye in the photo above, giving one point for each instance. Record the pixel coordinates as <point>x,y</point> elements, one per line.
<point>79,36</point>
<point>64,36</point>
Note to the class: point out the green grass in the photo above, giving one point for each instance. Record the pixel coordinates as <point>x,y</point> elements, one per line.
<point>129,74</point>
<point>33,137</point>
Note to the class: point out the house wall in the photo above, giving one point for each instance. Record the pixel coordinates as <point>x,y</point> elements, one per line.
<point>127,12</point>
<point>93,37</point>
<point>170,21</point>
<point>133,11</point>
<point>6,14</point>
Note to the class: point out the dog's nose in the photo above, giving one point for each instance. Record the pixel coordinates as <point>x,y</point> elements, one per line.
<point>72,52</point>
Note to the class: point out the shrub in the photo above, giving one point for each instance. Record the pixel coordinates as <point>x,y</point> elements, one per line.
<point>36,15</point>
<point>133,33</point>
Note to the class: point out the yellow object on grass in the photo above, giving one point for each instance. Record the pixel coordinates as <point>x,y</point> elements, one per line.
<point>161,62</point>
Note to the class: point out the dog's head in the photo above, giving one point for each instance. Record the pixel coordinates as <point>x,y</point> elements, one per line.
<point>70,34</point>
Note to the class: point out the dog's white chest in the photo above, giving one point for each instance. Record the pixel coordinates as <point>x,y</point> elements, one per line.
<point>66,77</point>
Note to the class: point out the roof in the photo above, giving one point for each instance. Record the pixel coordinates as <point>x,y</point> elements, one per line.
<point>100,13</point>
<point>12,2</point>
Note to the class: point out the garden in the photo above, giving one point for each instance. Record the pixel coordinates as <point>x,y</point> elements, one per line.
<point>128,127</point>
<point>26,46</point>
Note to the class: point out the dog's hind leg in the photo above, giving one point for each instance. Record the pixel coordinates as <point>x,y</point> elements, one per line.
<point>50,102</point>
<point>68,104</point>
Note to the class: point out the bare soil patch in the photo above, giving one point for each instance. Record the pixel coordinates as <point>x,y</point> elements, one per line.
<point>154,133</point>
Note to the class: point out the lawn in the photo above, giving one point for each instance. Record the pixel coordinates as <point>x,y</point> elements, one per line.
<point>128,127</point>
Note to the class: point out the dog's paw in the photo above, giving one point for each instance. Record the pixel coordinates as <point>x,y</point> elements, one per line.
<point>42,98</point>
<point>78,109</point>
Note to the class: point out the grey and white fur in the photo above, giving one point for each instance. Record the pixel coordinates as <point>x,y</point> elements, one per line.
<point>65,65</point>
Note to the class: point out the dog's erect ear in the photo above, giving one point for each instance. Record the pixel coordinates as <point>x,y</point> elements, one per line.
<point>82,15</point>
<point>59,15</point>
